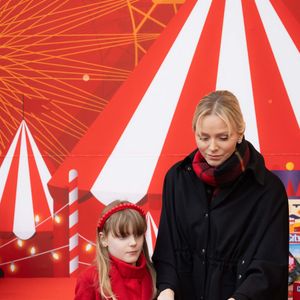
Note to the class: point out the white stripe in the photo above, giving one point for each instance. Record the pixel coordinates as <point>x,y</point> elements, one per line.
<point>73,241</point>
<point>128,171</point>
<point>42,168</point>
<point>234,71</point>
<point>4,169</point>
<point>285,51</point>
<point>24,226</point>
<point>148,235</point>
<point>150,226</point>
<point>72,174</point>
<point>73,196</point>
<point>73,219</point>
<point>73,265</point>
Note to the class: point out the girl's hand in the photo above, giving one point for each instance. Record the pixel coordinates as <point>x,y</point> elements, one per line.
<point>166,294</point>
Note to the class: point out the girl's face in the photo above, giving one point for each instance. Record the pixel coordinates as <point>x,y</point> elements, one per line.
<point>214,140</point>
<point>127,249</point>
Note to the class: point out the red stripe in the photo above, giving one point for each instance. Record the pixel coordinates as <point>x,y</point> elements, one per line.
<point>73,230</point>
<point>201,79</point>
<point>74,252</point>
<point>40,205</point>
<point>289,13</point>
<point>277,125</point>
<point>73,184</point>
<point>73,207</point>
<point>119,111</point>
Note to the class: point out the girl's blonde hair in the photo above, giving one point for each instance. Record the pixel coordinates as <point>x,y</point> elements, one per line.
<point>223,104</point>
<point>119,224</point>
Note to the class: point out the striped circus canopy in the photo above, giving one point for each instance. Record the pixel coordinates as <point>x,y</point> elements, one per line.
<point>248,47</point>
<point>25,201</point>
<point>151,233</point>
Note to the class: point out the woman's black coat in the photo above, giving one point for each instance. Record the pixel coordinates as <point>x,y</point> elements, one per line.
<point>232,245</point>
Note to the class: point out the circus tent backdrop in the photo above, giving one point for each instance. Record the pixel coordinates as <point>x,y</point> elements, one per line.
<point>209,44</point>
<point>146,125</point>
<point>60,65</point>
<point>28,207</point>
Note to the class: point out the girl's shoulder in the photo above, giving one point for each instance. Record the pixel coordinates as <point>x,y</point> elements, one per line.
<point>89,274</point>
<point>87,286</point>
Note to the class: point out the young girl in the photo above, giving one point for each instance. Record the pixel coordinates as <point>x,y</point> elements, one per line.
<point>123,269</point>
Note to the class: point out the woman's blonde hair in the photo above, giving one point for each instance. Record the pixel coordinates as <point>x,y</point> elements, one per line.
<point>223,104</point>
<point>119,224</point>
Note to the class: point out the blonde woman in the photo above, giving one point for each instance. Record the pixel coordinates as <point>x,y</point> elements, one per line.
<point>123,269</point>
<point>223,231</point>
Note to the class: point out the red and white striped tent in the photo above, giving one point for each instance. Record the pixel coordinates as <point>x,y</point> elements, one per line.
<point>248,47</point>
<point>26,205</point>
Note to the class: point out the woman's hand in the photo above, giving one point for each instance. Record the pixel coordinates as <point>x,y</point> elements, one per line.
<point>166,294</point>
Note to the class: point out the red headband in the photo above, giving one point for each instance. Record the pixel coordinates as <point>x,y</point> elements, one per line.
<point>117,208</point>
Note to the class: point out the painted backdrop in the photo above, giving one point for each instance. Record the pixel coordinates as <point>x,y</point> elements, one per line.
<point>96,103</point>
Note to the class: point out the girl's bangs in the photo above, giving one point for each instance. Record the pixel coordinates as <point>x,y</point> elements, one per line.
<point>124,223</point>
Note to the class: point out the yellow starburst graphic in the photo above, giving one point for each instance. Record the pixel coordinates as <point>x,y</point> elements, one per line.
<point>61,62</point>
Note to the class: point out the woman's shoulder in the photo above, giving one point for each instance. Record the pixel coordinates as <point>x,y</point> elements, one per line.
<point>182,164</point>
<point>274,182</point>
<point>261,172</point>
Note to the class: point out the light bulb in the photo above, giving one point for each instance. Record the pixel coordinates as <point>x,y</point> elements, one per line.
<point>20,243</point>
<point>32,250</point>
<point>12,267</point>
<point>57,219</point>
<point>55,255</point>
<point>37,219</point>
<point>88,247</point>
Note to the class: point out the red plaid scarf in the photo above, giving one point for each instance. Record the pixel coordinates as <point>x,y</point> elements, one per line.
<point>225,173</point>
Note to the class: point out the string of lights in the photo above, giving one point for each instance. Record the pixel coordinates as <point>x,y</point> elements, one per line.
<point>57,219</point>
<point>34,255</point>
<point>84,263</point>
<point>87,240</point>
<point>12,263</point>
<point>54,253</point>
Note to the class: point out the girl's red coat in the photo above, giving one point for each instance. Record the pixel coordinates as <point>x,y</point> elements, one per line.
<point>128,281</point>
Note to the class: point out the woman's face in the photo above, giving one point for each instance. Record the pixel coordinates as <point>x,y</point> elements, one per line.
<point>214,140</point>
